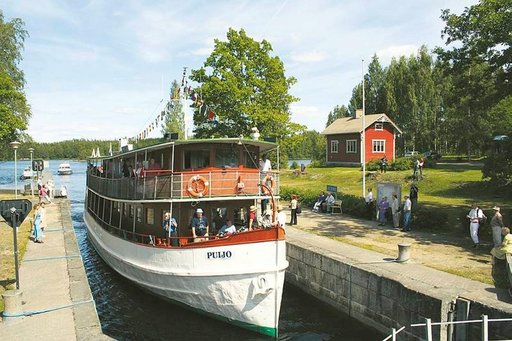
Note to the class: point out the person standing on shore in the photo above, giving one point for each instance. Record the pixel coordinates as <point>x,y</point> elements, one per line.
<point>496,226</point>
<point>475,216</point>
<point>413,194</point>
<point>395,210</point>
<point>407,213</point>
<point>383,208</point>
<point>293,206</point>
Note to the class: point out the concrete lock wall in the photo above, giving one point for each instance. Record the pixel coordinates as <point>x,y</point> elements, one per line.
<point>383,295</point>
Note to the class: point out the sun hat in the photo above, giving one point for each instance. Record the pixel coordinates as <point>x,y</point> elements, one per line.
<point>199,210</point>
<point>496,208</point>
<point>252,208</point>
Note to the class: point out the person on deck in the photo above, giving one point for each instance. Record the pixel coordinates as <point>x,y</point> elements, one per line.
<point>253,222</point>
<point>200,225</point>
<point>170,227</point>
<point>281,216</point>
<point>227,229</point>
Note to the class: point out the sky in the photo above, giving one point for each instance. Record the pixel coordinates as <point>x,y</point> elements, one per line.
<point>99,69</point>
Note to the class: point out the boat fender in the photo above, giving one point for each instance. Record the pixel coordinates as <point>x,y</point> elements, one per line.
<point>266,180</point>
<point>197,186</point>
<point>261,286</point>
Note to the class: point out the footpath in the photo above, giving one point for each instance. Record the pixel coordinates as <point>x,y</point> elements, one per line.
<point>438,250</point>
<point>56,299</point>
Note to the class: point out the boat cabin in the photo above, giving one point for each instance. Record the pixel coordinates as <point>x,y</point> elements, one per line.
<point>131,191</point>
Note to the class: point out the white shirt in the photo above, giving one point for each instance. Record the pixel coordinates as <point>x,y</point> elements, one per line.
<point>395,205</point>
<point>281,219</point>
<point>266,165</point>
<point>474,214</point>
<point>369,197</point>
<point>407,205</point>
<point>330,199</point>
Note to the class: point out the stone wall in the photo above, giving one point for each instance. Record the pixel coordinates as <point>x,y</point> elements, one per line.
<point>382,294</point>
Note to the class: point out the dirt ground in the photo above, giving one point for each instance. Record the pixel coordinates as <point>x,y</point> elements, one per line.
<point>442,251</point>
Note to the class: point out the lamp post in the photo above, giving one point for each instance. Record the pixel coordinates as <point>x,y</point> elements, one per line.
<point>15,146</point>
<point>31,150</point>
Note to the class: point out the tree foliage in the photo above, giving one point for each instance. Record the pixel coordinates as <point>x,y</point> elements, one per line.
<point>14,110</point>
<point>174,121</point>
<point>337,112</point>
<point>244,87</point>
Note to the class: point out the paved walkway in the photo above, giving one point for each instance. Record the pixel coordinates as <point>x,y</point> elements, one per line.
<point>430,250</point>
<point>51,276</point>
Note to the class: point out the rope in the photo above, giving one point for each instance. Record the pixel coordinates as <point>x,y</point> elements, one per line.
<point>49,258</point>
<point>35,312</point>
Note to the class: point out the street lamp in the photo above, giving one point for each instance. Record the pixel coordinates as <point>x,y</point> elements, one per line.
<point>15,146</point>
<point>31,150</point>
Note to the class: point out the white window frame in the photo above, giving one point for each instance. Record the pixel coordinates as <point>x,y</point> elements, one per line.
<point>379,126</point>
<point>378,144</point>
<point>335,146</point>
<point>352,143</point>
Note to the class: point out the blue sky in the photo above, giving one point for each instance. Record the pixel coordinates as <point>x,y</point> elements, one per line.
<point>98,69</point>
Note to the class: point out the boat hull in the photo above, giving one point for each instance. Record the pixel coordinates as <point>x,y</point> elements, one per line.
<point>64,172</point>
<point>238,283</point>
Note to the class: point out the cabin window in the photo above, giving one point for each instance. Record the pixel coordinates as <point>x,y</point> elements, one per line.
<point>150,216</point>
<point>197,159</point>
<point>251,159</point>
<point>139,214</point>
<point>334,146</point>
<point>226,157</point>
<point>379,126</point>
<point>379,146</point>
<point>351,146</point>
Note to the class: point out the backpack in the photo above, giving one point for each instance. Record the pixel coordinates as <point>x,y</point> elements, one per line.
<point>298,210</point>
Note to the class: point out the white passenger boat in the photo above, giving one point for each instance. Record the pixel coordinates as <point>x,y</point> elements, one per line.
<point>27,173</point>
<point>64,169</point>
<point>239,278</point>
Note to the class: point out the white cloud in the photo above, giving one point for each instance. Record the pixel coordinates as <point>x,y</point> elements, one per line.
<point>386,54</point>
<point>308,57</point>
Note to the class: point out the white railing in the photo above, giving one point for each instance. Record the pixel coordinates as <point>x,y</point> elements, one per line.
<point>429,324</point>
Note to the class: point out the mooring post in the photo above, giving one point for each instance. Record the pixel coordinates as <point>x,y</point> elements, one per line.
<point>404,253</point>
<point>12,304</point>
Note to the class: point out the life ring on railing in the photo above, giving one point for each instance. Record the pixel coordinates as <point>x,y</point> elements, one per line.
<point>197,186</point>
<point>266,180</point>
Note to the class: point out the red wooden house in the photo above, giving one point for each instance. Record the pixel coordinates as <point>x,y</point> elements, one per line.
<point>344,139</point>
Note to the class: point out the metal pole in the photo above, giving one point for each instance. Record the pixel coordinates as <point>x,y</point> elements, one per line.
<point>363,140</point>
<point>31,150</point>
<point>14,220</point>
<point>485,326</point>
<point>15,174</point>
<point>428,329</point>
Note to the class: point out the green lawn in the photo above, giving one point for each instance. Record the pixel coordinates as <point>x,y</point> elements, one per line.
<point>451,187</point>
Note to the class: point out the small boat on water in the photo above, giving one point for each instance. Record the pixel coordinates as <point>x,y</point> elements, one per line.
<point>27,173</point>
<point>64,169</point>
<point>237,277</point>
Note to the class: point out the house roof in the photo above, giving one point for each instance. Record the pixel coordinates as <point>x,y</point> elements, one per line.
<point>347,125</point>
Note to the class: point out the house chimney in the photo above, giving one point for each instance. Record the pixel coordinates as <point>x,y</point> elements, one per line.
<point>359,113</point>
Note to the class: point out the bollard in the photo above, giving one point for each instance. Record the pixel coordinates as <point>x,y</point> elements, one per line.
<point>404,253</point>
<point>12,304</point>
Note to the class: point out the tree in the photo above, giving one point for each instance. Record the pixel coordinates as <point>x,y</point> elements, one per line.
<point>244,87</point>
<point>174,115</point>
<point>14,110</point>
<point>483,32</point>
<point>337,112</point>
<point>375,100</point>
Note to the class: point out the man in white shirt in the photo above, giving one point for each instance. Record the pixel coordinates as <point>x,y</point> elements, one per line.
<point>227,229</point>
<point>281,216</point>
<point>475,216</point>
<point>329,201</point>
<point>369,197</point>
<point>265,165</point>
<point>406,211</point>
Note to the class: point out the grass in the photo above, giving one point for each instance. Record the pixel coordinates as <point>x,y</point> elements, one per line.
<point>7,269</point>
<point>450,188</point>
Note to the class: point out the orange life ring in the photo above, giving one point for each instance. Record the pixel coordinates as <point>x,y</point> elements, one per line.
<point>266,179</point>
<point>197,186</point>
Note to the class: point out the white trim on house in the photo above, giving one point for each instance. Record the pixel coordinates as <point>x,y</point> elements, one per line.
<point>351,146</point>
<point>334,146</point>
<point>379,146</point>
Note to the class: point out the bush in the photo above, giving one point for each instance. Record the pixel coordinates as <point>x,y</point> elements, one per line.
<point>317,164</point>
<point>428,217</point>
<point>401,163</point>
<point>294,165</point>
<point>373,165</point>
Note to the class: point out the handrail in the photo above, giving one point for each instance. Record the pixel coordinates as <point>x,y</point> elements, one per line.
<point>174,185</point>
<point>485,327</point>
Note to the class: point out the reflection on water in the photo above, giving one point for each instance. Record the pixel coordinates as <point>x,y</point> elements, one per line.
<point>128,313</point>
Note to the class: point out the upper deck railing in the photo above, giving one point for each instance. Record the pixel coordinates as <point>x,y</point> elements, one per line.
<point>204,183</point>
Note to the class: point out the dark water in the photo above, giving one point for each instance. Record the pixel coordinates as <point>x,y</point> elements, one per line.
<point>128,313</point>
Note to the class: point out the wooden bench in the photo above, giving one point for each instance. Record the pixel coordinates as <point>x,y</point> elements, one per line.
<point>337,206</point>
